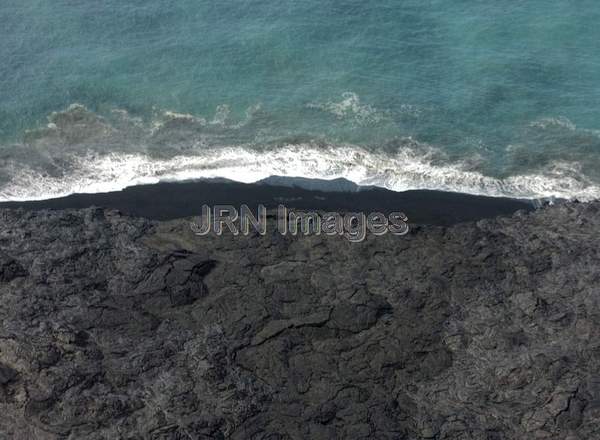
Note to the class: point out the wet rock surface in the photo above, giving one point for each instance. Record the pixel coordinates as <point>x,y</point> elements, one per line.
<point>114,327</point>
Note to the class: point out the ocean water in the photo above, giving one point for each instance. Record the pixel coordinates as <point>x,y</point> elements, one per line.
<point>479,96</point>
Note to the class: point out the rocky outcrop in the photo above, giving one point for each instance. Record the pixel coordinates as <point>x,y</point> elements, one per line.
<point>114,327</point>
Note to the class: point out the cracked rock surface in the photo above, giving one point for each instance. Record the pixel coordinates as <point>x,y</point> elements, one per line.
<point>121,328</point>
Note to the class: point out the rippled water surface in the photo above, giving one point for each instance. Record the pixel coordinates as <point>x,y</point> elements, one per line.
<point>487,97</point>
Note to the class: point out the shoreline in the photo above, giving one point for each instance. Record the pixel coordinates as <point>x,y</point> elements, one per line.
<point>173,200</point>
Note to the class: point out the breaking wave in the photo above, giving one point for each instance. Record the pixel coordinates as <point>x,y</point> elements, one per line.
<point>79,151</point>
<point>405,170</point>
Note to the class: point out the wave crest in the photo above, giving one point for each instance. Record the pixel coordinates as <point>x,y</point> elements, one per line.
<point>405,170</point>
<point>350,107</point>
<point>81,151</point>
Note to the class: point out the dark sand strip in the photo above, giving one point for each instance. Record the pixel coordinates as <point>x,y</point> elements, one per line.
<point>166,201</point>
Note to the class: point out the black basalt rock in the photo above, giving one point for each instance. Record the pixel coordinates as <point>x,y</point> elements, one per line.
<point>115,327</point>
<point>10,269</point>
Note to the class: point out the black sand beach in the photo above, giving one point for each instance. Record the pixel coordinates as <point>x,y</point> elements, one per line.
<point>167,201</point>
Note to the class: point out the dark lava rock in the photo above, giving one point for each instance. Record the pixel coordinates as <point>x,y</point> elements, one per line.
<point>10,268</point>
<point>120,328</point>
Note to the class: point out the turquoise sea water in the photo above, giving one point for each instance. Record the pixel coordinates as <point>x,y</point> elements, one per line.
<point>481,96</point>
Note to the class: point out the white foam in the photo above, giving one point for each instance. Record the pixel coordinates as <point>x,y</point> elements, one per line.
<point>560,122</point>
<point>350,107</point>
<point>405,170</point>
